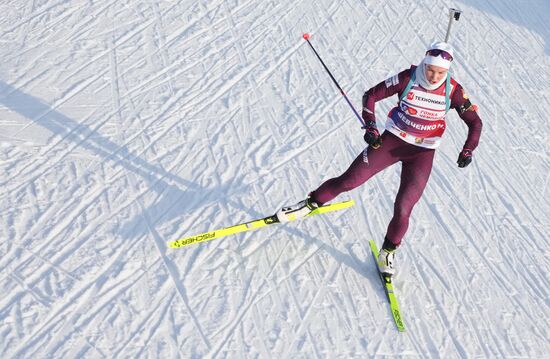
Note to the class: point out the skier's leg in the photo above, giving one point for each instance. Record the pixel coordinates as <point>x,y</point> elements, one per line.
<point>366,165</point>
<point>414,177</point>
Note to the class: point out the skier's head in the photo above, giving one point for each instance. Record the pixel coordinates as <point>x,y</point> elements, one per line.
<point>439,54</point>
<point>437,61</point>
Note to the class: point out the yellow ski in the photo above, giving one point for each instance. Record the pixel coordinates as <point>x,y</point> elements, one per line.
<point>390,293</point>
<point>249,226</point>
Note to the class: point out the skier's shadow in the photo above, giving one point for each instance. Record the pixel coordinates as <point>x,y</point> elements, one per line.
<point>173,201</point>
<point>89,139</point>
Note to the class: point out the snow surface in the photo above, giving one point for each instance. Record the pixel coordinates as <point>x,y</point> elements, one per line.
<point>127,124</point>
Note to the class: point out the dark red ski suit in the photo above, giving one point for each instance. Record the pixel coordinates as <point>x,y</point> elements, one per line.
<point>416,160</point>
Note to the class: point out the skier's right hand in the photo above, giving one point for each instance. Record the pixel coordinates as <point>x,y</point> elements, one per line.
<point>464,158</point>
<point>372,136</point>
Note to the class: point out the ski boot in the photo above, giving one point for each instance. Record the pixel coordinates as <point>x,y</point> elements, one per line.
<point>386,262</point>
<point>297,211</point>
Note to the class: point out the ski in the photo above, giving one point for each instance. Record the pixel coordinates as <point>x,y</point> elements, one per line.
<point>390,293</point>
<point>249,226</point>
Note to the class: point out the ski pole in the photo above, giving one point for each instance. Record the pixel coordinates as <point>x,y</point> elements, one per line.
<point>453,13</point>
<point>306,37</point>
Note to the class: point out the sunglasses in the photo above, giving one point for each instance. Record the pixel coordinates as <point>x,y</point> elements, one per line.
<point>444,54</point>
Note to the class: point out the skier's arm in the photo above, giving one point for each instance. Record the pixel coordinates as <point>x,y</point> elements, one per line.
<point>384,89</point>
<point>468,113</point>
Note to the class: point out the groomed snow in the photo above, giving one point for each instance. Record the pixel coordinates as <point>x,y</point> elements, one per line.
<point>128,124</point>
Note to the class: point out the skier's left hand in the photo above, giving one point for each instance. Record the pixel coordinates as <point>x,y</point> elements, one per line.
<point>464,158</point>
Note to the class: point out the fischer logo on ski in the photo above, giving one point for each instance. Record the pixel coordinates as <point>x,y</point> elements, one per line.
<point>252,225</point>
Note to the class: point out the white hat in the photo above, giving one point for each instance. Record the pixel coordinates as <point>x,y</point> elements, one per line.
<point>439,60</point>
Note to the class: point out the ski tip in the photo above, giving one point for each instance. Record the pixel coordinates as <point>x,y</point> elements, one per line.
<point>306,36</point>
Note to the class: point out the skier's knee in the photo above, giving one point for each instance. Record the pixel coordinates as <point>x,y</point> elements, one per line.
<point>402,213</point>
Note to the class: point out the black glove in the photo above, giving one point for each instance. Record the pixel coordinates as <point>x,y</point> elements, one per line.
<point>464,158</point>
<point>372,136</point>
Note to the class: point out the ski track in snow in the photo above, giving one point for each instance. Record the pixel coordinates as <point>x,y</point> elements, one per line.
<point>127,124</point>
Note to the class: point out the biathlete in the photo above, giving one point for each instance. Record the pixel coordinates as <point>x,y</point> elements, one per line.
<point>413,131</point>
